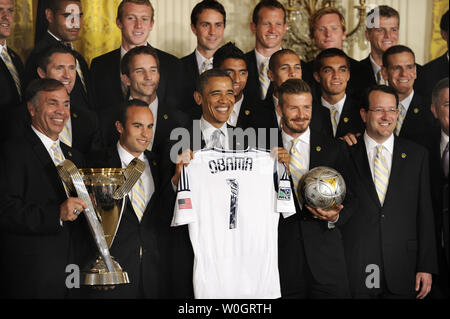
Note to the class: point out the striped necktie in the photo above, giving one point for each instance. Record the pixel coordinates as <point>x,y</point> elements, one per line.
<point>207,65</point>
<point>400,119</point>
<point>381,174</point>
<point>379,78</point>
<point>264,78</point>
<point>215,139</point>
<point>333,117</point>
<point>80,74</point>
<point>296,168</point>
<point>12,70</point>
<point>66,135</point>
<point>138,199</point>
<point>58,158</point>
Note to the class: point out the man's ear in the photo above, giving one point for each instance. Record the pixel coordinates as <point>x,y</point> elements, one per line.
<point>31,109</point>
<point>49,15</point>
<point>198,98</point>
<point>42,74</point>
<point>434,111</point>
<point>316,77</point>
<point>126,80</point>
<point>119,127</point>
<point>363,114</point>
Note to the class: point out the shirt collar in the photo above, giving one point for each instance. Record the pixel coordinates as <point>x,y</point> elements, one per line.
<point>304,137</point>
<point>371,143</point>
<point>407,101</point>
<point>47,141</point>
<point>444,141</point>
<point>126,157</point>
<point>207,128</point>
<point>375,66</point>
<point>339,105</point>
<point>3,47</point>
<point>122,52</point>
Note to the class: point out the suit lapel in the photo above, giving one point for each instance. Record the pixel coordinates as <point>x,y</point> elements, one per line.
<point>398,167</point>
<point>361,162</point>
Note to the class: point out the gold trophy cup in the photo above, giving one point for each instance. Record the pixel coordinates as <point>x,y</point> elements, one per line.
<point>103,189</point>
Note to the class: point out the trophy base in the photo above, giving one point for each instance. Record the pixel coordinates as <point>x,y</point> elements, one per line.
<point>99,275</point>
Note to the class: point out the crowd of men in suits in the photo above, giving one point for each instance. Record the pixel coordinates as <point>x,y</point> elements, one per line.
<point>382,122</point>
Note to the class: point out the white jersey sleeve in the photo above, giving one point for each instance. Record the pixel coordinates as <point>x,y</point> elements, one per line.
<point>183,211</point>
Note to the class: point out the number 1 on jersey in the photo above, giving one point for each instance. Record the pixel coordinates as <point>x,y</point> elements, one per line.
<point>234,185</point>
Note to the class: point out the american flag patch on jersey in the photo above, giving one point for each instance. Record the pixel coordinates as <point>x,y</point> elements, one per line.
<point>184,203</point>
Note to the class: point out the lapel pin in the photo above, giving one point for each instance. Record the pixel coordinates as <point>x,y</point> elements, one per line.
<point>154,163</point>
<point>165,116</point>
<point>75,115</point>
<point>346,119</point>
<point>247,112</point>
<point>70,154</point>
<point>318,148</point>
<point>403,155</point>
<point>416,110</point>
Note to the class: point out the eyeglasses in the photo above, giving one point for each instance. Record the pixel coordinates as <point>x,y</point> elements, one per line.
<point>380,110</point>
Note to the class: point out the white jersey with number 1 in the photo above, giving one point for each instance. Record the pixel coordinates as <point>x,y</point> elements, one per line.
<point>231,204</point>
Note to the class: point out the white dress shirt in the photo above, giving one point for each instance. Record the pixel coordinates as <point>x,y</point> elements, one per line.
<point>339,106</point>
<point>407,101</point>
<point>444,142</point>
<point>232,120</point>
<point>208,130</point>
<point>48,142</point>
<point>371,148</point>
<point>147,178</point>
<point>376,68</point>
<point>2,47</point>
<point>200,59</point>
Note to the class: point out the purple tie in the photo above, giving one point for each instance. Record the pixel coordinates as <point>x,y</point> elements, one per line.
<point>445,161</point>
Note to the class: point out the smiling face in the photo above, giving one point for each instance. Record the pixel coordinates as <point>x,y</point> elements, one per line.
<point>328,32</point>
<point>137,132</point>
<point>270,29</point>
<point>333,75</point>
<point>62,67</point>
<point>144,77</point>
<point>287,66</point>
<point>209,31</point>
<point>385,36</point>
<point>51,112</point>
<point>135,24</point>
<point>295,111</point>
<point>6,19</point>
<point>380,125</point>
<point>66,22</point>
<point>237,70</point>
<point>401,73</point>
<point>217,100</point>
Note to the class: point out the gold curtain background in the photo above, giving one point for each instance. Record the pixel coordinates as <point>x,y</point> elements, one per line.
<point>438,46</point>
<point>99,33</point>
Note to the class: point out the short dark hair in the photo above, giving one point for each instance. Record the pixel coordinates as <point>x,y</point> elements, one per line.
<point>122,115</point>
<point>39,85</point>
<point>329,53</point>
<point>207,4</point>
<point>228,51</point>
<point>55,5</point>
<point>44,60</point>
<point>395,50</point>
<point>382,88</point>
<point>138,2</point>
<point>271,4</point>
<point>128,57</point>
<point>274,58</point>
<point>292,86</point>
<point>441,85</point>
<point>385,12</point>
<point>444,22</point>
<point>205,76</point>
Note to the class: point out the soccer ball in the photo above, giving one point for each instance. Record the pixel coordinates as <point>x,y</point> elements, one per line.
<point>322,187</point>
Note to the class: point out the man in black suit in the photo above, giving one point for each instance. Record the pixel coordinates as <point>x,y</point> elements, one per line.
<point>135,19</point>
<point>284,64</point>
<point>437,144</point>
<point>141,74</point>
<point>137,244</point>
<point>269,27</point>
<point>437,69</point>
<point>327,30</point>
<point>390,242</point>
<point>11,69</point>
<point>208,21</point>
<point>381,37</point>
<point>337,113</point>
<point>65,21</point>
<point>399,70</point>
<point>231,59</point>
<point>311,258</point>
<point>36,217</point>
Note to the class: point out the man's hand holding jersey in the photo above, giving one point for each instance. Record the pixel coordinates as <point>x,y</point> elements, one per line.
<point>183,159</point>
